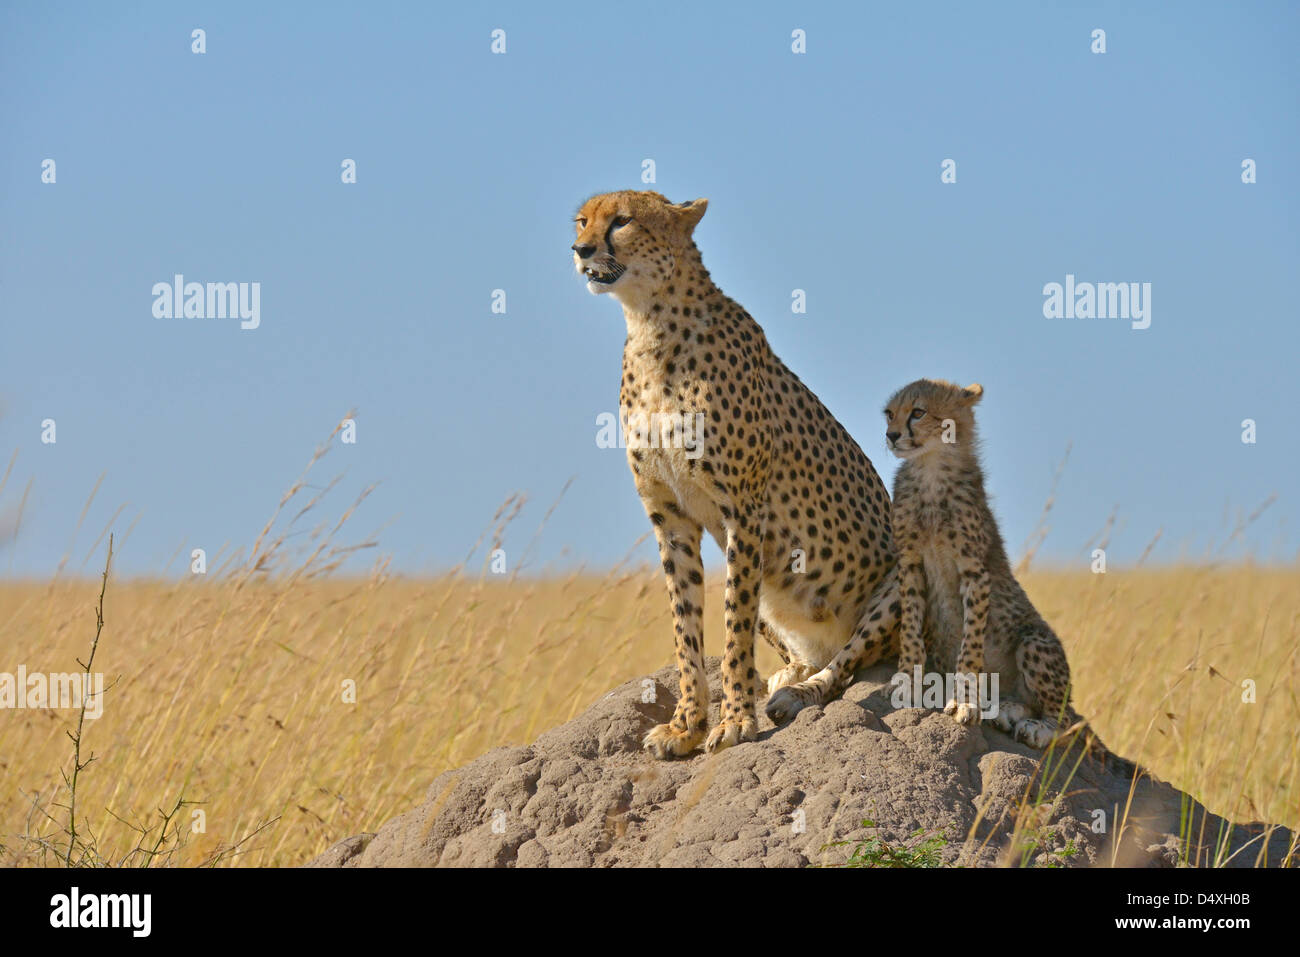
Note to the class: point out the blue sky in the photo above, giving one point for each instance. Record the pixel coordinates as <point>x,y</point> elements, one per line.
<point>823,173</point>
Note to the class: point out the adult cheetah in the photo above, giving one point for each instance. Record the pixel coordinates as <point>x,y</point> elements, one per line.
<point>798,510</point>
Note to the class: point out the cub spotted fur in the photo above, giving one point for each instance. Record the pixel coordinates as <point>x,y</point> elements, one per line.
<point>960,601</point>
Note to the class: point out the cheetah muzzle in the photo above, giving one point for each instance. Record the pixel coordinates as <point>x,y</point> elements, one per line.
<point>605,277</point>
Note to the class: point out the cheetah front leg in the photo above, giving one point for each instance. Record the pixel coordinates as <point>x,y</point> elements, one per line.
<point>744,573</point>
<point>964,705</point>
<point>875,637</point>
<point>911,643</point>
<point>679,549</point>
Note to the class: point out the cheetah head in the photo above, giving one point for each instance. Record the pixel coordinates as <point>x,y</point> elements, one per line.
<point>931,415</point>
<point>629,242</point>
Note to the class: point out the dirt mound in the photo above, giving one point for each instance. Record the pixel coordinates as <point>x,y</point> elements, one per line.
<point>584,794</point>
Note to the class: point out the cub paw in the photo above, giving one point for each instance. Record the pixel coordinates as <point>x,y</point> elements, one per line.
<point>1010,714</point>
<point>966,714</point>
<point>664,741</point>
<point>1036,732</point>
<point>731,732</point>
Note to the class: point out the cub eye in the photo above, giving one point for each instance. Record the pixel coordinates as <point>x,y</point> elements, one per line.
<point>889,415</point>
<point>621,221</point>
<point>582,222</point>
<point>918,414</point>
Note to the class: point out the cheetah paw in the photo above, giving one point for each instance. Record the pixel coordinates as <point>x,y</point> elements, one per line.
<point>784,705</point>
<point>966,714</point>
<point>789,675</point>
<point>664,741</point>
<point>1035,732</point>
<point>731,732</point>
<point>1010,714</point>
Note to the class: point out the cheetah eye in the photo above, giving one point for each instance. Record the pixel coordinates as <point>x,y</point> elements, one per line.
<point>621,221</point>
<point>918,414</point>
<point>582,222</point>
<point>889,415</point>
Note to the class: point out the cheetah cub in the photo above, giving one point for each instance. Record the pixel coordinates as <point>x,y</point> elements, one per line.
<point>961,602</point>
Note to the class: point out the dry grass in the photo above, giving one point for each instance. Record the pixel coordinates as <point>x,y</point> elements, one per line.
<point>233,696</point>
<point>229,688</point>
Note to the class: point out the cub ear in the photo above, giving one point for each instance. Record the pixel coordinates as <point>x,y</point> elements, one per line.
<point>691,212</point>
<point>972,393</point>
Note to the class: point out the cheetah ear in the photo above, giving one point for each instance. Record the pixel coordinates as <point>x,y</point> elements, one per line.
<point>972,393</point>
<point>691,212</point>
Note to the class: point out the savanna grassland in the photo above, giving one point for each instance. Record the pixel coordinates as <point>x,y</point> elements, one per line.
<point>230,693</point>
<point>255,714</point>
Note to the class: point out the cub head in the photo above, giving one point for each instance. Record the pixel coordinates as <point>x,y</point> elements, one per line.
<point>930,415</point>
<point>629,242</point>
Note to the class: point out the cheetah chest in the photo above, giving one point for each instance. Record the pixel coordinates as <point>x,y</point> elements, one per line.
<point>943,605</point>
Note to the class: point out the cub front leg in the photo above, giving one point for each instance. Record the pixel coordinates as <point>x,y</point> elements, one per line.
<point>911,642</point>
<point>679,550</point>
<point>964,705</point>
<point>744,573</point>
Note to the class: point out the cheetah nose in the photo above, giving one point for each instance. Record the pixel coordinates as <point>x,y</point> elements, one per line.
<point>584,251</point>
<point>893,436</point>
